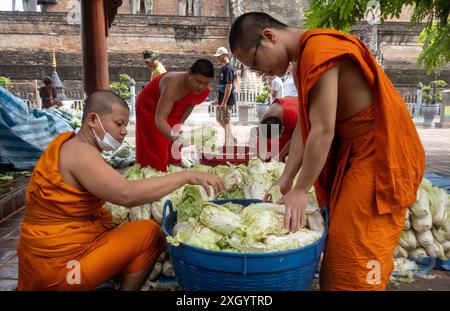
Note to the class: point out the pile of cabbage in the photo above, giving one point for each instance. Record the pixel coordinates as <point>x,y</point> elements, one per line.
<point>123,157</point>
<point>72,116</point>
<point>426,231</point>
<point>203,137</point>
<point>250,181</point>
<point>234,228</point>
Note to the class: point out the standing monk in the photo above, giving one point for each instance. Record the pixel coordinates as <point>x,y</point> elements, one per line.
<point>66,238</point>
<point>166,101</point>
<point>354,141</point>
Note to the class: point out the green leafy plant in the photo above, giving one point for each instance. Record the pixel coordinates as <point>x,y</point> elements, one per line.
<point>5,82</point>
<point>263,97</point>
<point>429,92</point>
<point>121,88</point>
<point>343,14</point>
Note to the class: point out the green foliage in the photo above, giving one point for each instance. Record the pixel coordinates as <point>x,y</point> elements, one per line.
<point>429,91</point>
<point>436,47</point>
<point>121,88</point>
<point>4,82</point>
<point>263,97</point>
<point>343,14</point>
<point>6,176</point>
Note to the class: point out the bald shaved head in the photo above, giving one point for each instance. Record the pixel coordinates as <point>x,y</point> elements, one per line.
<point>101,102</point>
<point>245,33</point>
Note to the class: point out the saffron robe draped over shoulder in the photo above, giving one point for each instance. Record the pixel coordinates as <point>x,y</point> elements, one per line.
<point>400,156</point>
<point>373,170</point>
<point>63,225</point>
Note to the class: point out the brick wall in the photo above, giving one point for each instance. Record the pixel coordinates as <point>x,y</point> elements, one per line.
<point>160,7</point>
<point>165,7</point>
<point>27,39</point>
<point>214,8</point>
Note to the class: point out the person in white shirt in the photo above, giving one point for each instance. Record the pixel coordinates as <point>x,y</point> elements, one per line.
<point>289,88</point>
<point>276,87</point>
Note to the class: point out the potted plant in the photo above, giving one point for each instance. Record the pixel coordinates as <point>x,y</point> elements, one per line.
<point>262,102</point>
<point>122,88</point>
<point>431,100</point>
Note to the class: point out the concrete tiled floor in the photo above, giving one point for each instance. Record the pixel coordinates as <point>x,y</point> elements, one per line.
<point>436,143</point>
<point>9,237</point>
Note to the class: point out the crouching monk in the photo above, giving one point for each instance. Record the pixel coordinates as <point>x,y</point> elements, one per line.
<point>354,141</point>
<point>66,238</point>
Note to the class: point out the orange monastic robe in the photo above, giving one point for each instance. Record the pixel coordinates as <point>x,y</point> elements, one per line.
<point>373,169</point>
<point>66,231</point>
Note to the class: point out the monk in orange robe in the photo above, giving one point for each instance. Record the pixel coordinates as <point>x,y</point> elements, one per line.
<point>354,141</point>
<point>67,241</point>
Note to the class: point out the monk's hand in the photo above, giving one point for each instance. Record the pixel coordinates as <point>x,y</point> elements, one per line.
<point>295,202</point>
<point>223,106</point>
<point>206,180</point>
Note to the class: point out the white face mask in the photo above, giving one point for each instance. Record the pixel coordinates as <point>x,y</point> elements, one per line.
<point>108,143</point>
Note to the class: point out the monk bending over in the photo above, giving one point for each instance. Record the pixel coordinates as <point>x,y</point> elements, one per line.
<point>280,121</point>
<point>66,238</point>
<point>354,141</point>
<point>165,103</point>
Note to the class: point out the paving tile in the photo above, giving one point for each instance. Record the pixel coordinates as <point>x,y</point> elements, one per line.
<point>9,271</point>
<point>10,223</point>
<point>10,243</point>
<point>12,202</point>
<point>6,254</point>
<point>18,215</point>
<point>4,231</point>
<point>9,227</point>
<point>8,285</point>
<point>15,233</point>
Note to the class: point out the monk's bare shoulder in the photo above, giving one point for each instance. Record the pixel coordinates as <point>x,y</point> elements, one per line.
<point>171,84</point>
<point>76,155</point>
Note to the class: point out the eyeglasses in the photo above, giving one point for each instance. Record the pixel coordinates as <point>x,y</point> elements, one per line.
<point>253,66</point>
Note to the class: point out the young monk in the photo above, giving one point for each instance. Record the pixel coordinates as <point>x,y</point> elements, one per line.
<point>166,101</point>
<point>66,238</point>
<point>354,141</point>
<point>280,120</point>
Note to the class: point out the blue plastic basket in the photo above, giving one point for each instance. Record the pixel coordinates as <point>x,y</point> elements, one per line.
<point>198,269</point>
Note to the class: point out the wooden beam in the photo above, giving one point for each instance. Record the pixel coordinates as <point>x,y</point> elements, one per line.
<point>94,46</point>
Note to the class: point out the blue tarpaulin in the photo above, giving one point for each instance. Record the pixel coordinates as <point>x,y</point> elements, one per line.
<point>25,132</point>
<point>439,181</point>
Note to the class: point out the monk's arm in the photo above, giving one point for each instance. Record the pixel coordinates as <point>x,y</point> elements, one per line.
<point>322,113</point>
<point>165,105</point>
<point>100,179</point>
<point>284,152</point>
<point>295,158</point>
<point>187,112</point>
